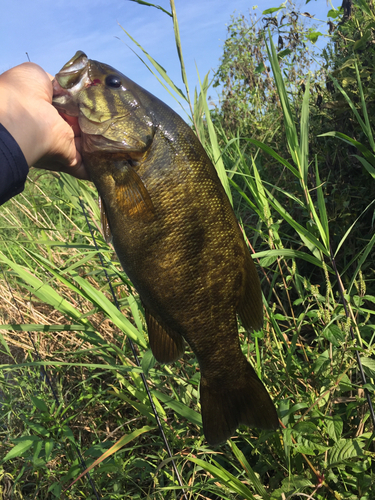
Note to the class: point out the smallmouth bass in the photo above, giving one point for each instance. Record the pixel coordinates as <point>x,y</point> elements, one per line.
<point>175,234</point>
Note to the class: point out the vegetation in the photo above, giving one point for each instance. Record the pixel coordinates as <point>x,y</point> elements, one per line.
<point>305,203</point>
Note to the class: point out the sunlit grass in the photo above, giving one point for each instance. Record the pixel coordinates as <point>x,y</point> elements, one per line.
<point>59,297</point>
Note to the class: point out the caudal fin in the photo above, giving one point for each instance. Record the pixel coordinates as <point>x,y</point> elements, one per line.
<point>225,407</point>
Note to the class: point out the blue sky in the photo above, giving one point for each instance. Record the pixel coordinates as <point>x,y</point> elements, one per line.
<point>52,31</point>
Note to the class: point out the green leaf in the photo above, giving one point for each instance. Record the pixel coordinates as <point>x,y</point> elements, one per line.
<point>334,13</point>
<point>291,485</point>
<point>284,53</point>
<point>48,446</point>
<point>308,447</point>
<point>335,426</point>
<point>350,228</point>
<point>40,404</point>
<point>321,362</point>
<point>55,489</point>
<point>24,444</point>
<point>148,361</point>
<point>343,450</point>
<point>37,449</point>
<point>180,408</point>
<point>360,44</point>
<point>268,261</point>
<point>313,36</point>
<point>368,366</point>
<point>260,68</point>
<point>334,334</point>
<point>37,427</point>
<point>345,383</point>
<point>272,10</point>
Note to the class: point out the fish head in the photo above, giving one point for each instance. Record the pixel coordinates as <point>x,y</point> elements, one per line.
<point>108,106</point>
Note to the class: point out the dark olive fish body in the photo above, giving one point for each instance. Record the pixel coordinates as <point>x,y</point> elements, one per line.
<point>175,234</point>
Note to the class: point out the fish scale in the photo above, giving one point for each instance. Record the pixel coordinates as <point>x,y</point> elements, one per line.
<point>175,234</point>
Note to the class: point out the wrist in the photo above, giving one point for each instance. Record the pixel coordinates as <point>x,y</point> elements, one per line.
<point>20,123</point>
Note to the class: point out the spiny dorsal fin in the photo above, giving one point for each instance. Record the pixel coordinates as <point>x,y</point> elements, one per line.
<point>166,345</point>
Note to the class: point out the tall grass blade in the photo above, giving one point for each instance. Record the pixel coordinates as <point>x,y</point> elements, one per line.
<point>290,128</point>
<point>361,260</point>
<point>367,126</point>
<point>343,239</point>
<point>117,446</point>
<point>162,72</point>
<point>249,471</point>
<point>179,51</point>
<point>304,134</point>
<point>222,475</point>
<point>324,228</point>
<point>370,157</point>
<point>216,153</point>
<point>45,292</point>
<point>286,253</point>
<point>141,2</point>
<point>312,243</point>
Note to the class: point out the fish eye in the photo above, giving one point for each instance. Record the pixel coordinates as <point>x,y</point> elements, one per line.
<point>113,81</point>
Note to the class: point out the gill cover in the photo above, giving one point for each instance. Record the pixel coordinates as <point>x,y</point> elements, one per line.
<point>109,111</point>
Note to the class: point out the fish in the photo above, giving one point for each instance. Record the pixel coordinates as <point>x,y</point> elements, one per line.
<point>175,234</point>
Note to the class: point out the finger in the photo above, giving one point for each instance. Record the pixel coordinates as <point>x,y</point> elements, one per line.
<point>78,170</point>
<point>73,122</point>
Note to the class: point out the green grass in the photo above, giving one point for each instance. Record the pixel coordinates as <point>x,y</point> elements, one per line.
<point>305,354</point>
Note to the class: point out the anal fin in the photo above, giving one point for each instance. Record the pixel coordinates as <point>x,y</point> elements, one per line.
<point>166,345</point>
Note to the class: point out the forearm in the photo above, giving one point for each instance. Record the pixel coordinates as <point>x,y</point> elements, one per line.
<point>13,166</point>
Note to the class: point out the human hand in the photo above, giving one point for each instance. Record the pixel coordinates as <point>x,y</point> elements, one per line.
<point>46,139</point>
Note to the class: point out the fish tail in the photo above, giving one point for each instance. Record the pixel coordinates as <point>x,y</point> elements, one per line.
<point>225,406</point>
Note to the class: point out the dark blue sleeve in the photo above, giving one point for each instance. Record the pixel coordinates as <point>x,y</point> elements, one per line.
<point>13,167</point>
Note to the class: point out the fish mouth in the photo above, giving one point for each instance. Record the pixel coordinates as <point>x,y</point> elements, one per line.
<point>70,80</point>
<point>75,72</point>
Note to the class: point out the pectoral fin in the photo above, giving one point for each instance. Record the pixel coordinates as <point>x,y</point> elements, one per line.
<point>132,196</point>
<point>166,345</point>
<point>106,230</point>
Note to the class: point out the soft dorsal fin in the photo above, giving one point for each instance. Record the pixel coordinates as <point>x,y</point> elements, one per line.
<point>166,345</point>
